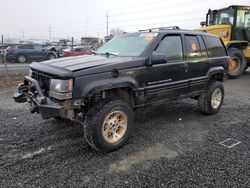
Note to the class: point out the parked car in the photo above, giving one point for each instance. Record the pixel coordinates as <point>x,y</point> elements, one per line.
<point>26,52</point>
<point>77,51</point>
<point>130,71</point>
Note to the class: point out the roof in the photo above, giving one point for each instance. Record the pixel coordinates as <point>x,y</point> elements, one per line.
<point>176,30</point>
<point>233,6</point>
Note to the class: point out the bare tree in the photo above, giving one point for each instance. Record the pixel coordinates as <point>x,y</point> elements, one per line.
<point>117,32</point>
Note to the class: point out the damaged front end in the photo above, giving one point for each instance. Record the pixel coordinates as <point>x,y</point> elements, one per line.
<point>49,107</point>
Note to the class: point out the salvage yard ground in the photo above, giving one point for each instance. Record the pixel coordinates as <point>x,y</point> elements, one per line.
<point>173,145</point>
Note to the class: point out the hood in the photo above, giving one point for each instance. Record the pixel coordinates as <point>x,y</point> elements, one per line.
<point>88,64</point>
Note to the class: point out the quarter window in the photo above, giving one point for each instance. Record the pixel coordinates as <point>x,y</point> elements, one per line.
<point>171,46</point>
<point>216,47</point>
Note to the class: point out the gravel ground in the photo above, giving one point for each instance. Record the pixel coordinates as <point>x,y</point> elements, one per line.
<point>173,145</point>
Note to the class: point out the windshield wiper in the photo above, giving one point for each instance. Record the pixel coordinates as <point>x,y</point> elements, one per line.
<point>107,53</point>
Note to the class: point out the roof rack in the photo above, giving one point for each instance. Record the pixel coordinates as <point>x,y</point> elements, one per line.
<point>160,28</point>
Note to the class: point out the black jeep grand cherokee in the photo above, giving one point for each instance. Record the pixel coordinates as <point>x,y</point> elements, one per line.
<point>130,71</point>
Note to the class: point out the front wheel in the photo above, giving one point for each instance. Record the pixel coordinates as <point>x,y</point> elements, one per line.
<point>108,124</point>
<point>211,99</point>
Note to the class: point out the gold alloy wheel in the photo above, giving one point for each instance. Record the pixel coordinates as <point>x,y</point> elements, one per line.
<point>234,66</point>
<point>216,98</point>
<point>114,126</point>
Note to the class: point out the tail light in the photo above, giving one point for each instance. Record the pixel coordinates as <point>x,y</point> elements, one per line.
<point>9,49</point>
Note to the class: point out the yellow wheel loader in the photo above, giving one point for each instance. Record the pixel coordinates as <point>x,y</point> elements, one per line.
<point>232,24</point>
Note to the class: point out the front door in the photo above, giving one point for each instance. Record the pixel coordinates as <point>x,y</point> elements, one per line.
<point>168,79</point>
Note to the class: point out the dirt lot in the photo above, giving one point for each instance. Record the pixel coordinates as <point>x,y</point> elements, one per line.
<point>173,145</point>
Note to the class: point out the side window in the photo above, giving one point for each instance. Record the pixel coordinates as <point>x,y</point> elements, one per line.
<point>193,47</point>
<point>83,50</point>
<point>171,46</point>
<point>77,49</point>
<point>203,47</point>
<point>38,47</point>
<point>216,48</point>
<point>26,47</point>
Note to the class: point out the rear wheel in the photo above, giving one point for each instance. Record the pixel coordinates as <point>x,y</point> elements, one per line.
<point>212,98</point>
<point>21,58</point>
<point>238,64</point>
<point>108,124</point>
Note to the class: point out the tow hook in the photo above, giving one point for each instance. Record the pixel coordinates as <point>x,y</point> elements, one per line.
<point>42,100</point>
<point>33,108</point>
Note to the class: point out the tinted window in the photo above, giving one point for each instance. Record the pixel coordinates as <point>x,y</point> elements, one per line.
<point>193,47</point>
<point>25,47</point>
<point>171,46</point>
<point>203,47</point>
<point>216,47</point>
<point>77,49</point>
<point>84,50</point>
<point>38,47</point>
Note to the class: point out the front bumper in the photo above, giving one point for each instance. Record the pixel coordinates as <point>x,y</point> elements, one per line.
<point>31,91</point>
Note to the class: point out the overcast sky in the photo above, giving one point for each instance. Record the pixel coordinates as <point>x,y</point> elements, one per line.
<point>77,18</point>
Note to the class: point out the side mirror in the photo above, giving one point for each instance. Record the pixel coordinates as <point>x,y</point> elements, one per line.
<point>203,23</point>
<point>157,59</point>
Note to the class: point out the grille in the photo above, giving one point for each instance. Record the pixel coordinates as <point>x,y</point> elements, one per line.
<point>43,80</point>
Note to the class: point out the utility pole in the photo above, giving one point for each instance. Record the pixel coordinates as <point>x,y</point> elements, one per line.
<point>49,33</point>
<point>23,34</point>
<point>107,23</point>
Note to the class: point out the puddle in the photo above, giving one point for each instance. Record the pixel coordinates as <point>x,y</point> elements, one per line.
<point>153,153</point>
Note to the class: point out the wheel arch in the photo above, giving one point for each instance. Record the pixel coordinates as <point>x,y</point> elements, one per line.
<point>216,74</point>
<point>117,88</point>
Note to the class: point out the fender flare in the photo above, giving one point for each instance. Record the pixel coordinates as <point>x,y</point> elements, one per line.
<point>111,83</point>
<point>216,70</point>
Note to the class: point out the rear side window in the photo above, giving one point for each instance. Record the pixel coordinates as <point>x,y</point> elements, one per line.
<point>216,48</point>
<point>193,47</point>
<point>38,47</point>
<point>25,47</point>
<point>171,46</point>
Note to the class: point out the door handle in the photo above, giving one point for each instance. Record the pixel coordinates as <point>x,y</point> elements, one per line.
<point>184,65</point>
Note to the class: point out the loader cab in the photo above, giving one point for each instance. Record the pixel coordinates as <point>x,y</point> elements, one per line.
<point>238,17</point>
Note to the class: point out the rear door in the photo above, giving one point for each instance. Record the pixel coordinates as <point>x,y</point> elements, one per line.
<point>26,50</point>
<point>197,58</point>
<point>168,79</point>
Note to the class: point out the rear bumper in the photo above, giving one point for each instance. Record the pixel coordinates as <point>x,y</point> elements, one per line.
<point>10,57</point>
<point>38,101</point>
